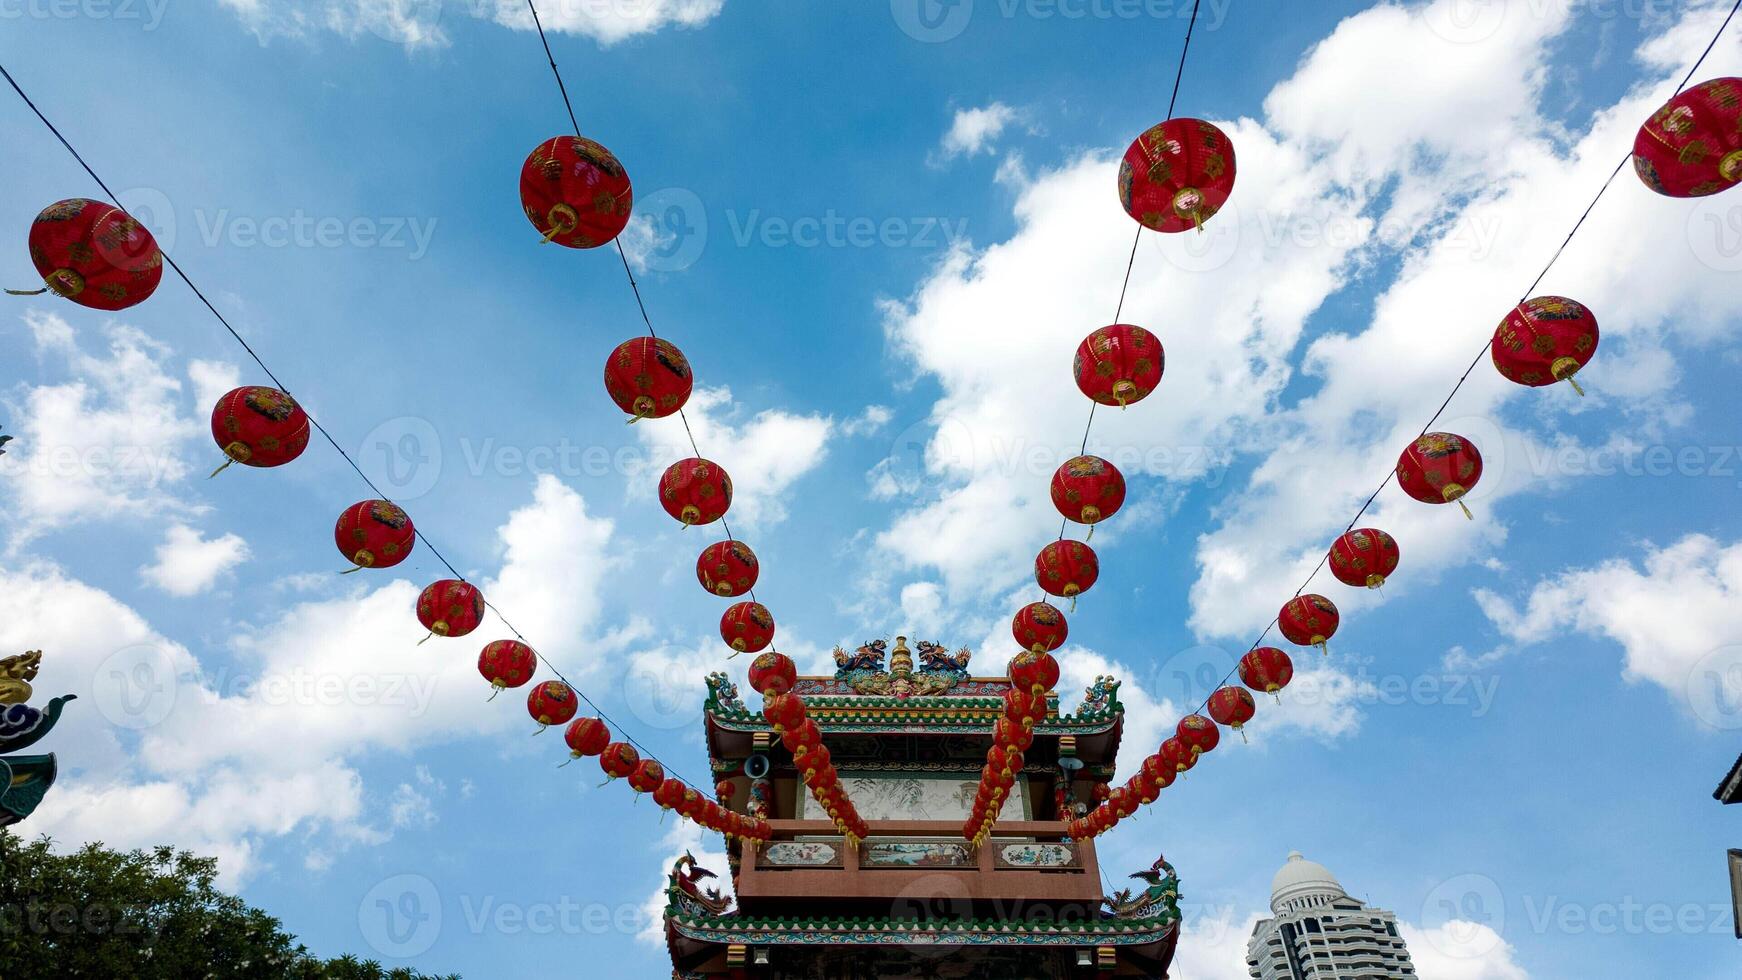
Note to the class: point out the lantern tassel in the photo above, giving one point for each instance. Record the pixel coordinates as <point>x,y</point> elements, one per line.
<point>1575,384</point>
<point>426,637</point>
<point>541,727</point>
<point>1243,739</point>
<point>1091,534</point>
<point>27,292</point>
<point>572,758</point>
<point>220,469</point>
<point>1466,508</point>
<point>1324,648</point>
<point>550,235</point>
<point>495,689</point>
<point>353,568</point>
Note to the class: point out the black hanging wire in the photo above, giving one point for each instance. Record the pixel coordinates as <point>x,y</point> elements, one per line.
<point>318,427</point>
<point>634,285</point>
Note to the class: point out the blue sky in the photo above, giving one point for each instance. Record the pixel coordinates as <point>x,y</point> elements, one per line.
<point>1513,745</point>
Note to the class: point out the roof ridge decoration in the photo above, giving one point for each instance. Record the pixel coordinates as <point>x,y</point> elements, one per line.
<point>939,671</point>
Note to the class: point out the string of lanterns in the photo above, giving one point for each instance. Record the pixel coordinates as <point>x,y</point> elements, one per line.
<point>96,255</point>
<point>1690,147</point>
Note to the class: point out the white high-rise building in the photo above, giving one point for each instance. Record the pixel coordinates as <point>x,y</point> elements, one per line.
<point>1320,933</point>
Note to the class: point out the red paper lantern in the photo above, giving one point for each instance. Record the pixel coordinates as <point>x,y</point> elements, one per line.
<point>1124,802</point>
<point>1036,673</point>
<point>802,738</point>
<point>1118,365</point>
<point>1039,627</point>
<point>669,793</point>
<point>1309,621</point>
<point>1543,340</point>
<point>1439,468</point>
<point>817,761</point>
<point>575,192</point>
<point>1232,706</point>
<point>1692,146</point>
<point>552,703</point>
<point>94,254</point>
<point>507,663</point>
<point>1101,792</point>
<point>783,711</point>
<point>727,568</point>
<point>1266,669</point>
<point>1178,754</point>
<point>1177,175</point>
<point>648,378</point>
<point>1019,706</point>
<point>1364,556</point>
<point>586,736</point>
<point>1146,789</point>
<point>646,776</point>
<point>1088,490</point>
<point>695,491</point>
<point>1199,734</point>
<point>259,426</point>
<point>618,760</point>
<point>1066,568</point>
<point>1158,771</point>
<point>450,607</point>
<point>374,534</point>
<point>1011,734</point>
<point>747,627</point>
<point>773,673</point>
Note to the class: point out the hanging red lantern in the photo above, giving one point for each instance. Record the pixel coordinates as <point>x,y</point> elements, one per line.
<point>94,254</point>
<point>1309,621</point>
<point>586,736</point>
<point>646,776</point>
<point>552,703</point>
<point>816,761</point>
<point>374,534</point>
<point>695,491</point>
<point>450,607</point>
<point>1158,771</point>
<point>1039,627</point>
<point>1088,490</point>
<point>1543,340</point>
<point>1692,146</point>
<point>773,673</point>
<point>1118,365</point>
<point>1145,789</point>
<point>727,568</point>
<point>1036,673</point>
<point>1019,706</point>
<point>1364,557</point>
<point>575,192</point>
<point>1012,734</point>
<point>1232,706</point>
<point>1124,802</point>
<point>1101,792</point>
<point>507,663</point>
<point>669,793</point>
<point>619,760</point>
<point>1199,734</point>
<point>783,711</point>
<point>1266,669</point>
<point>747,627</point>
<point>802,738</point>
<point>1178,754</point>
<point>1066,568</point>
<point>1177,175</point>
<point>1439,468</point>
<point>259,426</point>
<point>648,378</point>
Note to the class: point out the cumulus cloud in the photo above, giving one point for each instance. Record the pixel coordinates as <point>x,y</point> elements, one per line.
<point>296,703</point>
<point>1678,619</point>
<point>417,24</point>
<point>1460,950</point>
<point>974,131</point>
<point>188,563</point>
<point>765,454</point>
<point>109,442</point>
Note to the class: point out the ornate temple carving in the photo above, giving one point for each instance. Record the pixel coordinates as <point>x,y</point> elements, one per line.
<point>939,670</point>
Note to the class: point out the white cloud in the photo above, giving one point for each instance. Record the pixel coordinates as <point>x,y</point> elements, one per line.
<point>975,131</point>
<point>1212,944</point>
<point>211,380</point>
<point>297,705</point>
<point>765,454</point>
<point>1460,950</point>
<point>417,24</point>
<point>868,422</point>
<point>109,442</point>
<point>188,563</point>
<point>1678,619</point>
<point>605,22</point>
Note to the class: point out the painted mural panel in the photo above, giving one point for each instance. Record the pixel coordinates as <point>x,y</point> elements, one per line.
<point>893,796</point>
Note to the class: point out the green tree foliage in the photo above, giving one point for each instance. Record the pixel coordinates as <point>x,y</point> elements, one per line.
<point>100,913</point>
